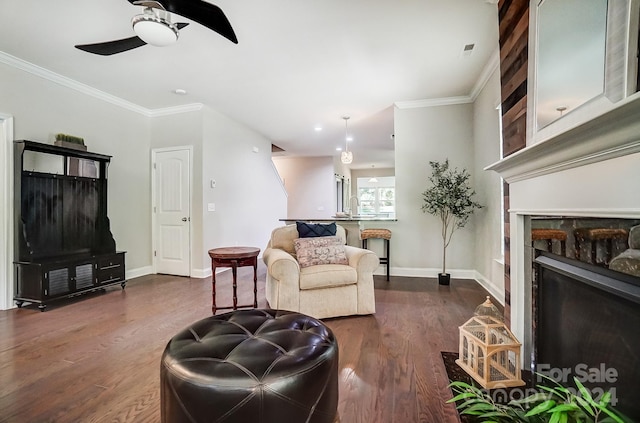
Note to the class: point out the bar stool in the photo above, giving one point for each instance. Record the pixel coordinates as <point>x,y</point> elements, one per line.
<point>550,235</point>
<point>372,233</point>
<point>595,235</point>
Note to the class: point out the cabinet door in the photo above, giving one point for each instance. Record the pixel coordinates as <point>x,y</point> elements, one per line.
<point>83,276</point>
<point>57,282</point>
<point>69,278</point>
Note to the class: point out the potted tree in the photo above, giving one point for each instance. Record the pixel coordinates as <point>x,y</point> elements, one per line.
<point>450,199</point>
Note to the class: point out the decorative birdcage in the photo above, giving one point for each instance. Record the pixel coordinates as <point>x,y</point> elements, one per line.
<point>489,352</point>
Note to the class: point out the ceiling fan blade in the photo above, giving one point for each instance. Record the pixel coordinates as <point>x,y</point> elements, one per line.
<point>202,12</point>
<point>112,47</point>
<point>118,46</point>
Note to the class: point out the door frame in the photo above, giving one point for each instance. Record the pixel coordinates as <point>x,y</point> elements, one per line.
<point>6,214</point>
<point>154,235</point>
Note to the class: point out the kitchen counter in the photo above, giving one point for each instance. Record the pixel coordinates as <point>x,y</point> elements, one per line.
<point>355,218</point>
<point>352,224</point>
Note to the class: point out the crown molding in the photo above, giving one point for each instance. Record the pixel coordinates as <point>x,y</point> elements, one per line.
<point>166,111</point>
<point>25,66</point>
<point>432,102</point>
<point>41,72</point>
<point>491,66</point>
<point>487,71</point>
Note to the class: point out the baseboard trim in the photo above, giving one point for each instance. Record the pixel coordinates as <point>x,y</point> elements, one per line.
<point>140,271</point>
<point>496,292</point>
<point>205,273</point>
<point>426,272</point>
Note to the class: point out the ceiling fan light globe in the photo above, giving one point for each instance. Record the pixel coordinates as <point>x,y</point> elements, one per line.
<point>155,31</point>
<point>346,157</point>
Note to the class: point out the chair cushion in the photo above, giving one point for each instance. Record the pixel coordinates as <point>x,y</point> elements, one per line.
<point>327,276</point>
<point>320,250</point>
<point>283,237</point>
<point>312,230</point>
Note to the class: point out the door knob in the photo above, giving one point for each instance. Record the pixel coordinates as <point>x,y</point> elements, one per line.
<point>184,219</point>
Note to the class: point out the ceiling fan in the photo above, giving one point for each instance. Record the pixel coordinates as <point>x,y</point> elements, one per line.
<point>154,25</point>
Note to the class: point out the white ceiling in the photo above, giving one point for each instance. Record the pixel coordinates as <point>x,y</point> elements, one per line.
<point>297,64</point>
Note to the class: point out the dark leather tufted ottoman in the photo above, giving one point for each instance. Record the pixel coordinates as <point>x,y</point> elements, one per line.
<point>258,366</point>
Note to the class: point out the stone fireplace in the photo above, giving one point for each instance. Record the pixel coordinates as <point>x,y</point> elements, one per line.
<point>590,172</point>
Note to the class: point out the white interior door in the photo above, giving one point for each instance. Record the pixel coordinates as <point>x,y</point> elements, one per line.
<point>172,211</point>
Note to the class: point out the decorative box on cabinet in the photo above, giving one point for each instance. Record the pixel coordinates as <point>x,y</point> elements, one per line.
<point>63,243</point>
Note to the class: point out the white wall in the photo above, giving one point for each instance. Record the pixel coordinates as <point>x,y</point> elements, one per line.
<point>42,108</point>
<point>422,135</point>
<point>311,186</point>
<point>486,134</point>
<point>249,197</point>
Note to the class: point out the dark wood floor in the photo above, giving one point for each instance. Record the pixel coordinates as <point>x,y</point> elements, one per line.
<point>97,358</point>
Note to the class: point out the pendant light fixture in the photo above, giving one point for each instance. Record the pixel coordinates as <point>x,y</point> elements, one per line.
<point>347,156</point>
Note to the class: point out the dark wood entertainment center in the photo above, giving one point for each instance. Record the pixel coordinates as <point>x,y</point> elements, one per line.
<point>63,244</point>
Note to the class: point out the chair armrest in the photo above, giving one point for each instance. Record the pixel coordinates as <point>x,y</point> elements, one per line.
<point>280,264</point>
<point>363,260</point>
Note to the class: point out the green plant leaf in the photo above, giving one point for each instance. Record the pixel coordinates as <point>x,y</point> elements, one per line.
<point>584,391</point>
<point>606,399</point>
<point>472,401</point>
<point>557,392</point>
<point>558,417</point>
<point>459,384</point>
<point>585,405</point>
<point>537,397</point>
<point>610,413</point>
<point>481,406</point>
<point>541,408</point>
<point>564,408</point>
<point>461,396</point>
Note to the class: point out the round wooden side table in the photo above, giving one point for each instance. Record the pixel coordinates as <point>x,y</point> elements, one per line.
<point>234,257</point>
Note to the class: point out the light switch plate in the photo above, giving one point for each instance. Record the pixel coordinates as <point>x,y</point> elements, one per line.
<point>211,207</point>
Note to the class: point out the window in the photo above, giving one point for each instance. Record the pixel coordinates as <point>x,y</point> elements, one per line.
<point>377,198</point>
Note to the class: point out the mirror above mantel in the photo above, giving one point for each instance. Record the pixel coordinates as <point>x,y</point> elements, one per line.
<point>582,62</point>
<point>570,56</point>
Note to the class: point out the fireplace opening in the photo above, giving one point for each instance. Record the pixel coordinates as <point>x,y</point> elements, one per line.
<point>586,322</point>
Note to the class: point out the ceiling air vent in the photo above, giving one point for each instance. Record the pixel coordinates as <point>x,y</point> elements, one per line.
<point>467,49</point>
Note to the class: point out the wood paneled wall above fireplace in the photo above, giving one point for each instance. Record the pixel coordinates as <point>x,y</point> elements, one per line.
<point>514,38</point>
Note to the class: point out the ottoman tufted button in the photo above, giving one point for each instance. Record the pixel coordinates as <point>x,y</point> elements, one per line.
<point>251,365</point>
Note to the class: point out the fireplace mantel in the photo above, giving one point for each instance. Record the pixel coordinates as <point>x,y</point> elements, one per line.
<point>613,134</point>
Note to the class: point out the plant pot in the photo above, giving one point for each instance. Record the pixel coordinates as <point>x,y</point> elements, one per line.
<point>444,278</point>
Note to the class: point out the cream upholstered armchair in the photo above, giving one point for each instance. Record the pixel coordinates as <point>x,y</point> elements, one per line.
<point>318,290</point>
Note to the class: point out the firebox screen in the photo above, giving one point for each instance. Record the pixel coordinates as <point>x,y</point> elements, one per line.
<point>585,332</point>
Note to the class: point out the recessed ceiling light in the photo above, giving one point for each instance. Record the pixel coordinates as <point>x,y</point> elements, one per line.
<point>180,91</point>
<point>349,138</point>
<point>318,128</point>
<point>338,148</point>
